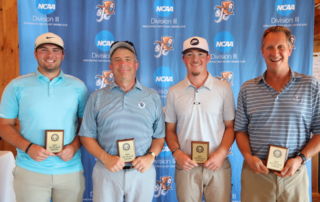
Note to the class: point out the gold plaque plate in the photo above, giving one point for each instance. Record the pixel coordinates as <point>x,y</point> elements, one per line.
<point>199,151</point>
<point>54,140</point>
<point>277,157</point>
<point>126,150</point>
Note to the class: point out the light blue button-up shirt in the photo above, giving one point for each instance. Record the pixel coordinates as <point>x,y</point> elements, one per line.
<point>112,114</point>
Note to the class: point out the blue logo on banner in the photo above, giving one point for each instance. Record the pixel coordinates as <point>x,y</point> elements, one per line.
<point>103,40</point>
<point>163,77</point>
<point>285,7</point>
<point>163,8</point>
<point>223,42</point>
<point>46,6</point>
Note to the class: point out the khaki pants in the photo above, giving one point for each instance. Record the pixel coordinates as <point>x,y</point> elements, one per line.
<point>214,185</point>
<point>271,188</point>
<point>35,187</point>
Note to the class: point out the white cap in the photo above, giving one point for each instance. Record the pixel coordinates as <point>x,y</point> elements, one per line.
<point>50,38</point>
<point>195,42</point>
<point>122,44</point>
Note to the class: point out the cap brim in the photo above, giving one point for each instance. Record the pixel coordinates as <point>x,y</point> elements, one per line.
<point>49,43</point>
<point>122,45</point>
<point>199,49</point>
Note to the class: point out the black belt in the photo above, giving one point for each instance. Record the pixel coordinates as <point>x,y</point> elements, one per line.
<point>127,167</point>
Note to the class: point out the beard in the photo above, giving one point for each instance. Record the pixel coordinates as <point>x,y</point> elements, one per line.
<point>195,73</point>
<point>49,67</point>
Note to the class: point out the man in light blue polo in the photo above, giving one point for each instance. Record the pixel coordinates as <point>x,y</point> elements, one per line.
<point>123,110</point>
<point>280,108</point>
<point>44,100</point>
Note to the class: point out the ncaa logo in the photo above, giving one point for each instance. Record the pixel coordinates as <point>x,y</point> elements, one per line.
<point>103,40</point>
<point>285,7</point>
<point>163,8</point>
<point>223,42</point>
<point>163,77</point>
<point>46,6</point>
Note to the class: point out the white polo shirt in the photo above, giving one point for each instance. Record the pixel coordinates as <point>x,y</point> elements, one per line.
<point>200,113</point>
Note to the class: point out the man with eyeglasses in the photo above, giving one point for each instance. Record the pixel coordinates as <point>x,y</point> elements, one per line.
<point>127,113</point>
<point>44,100</point>
<point>200,108</point>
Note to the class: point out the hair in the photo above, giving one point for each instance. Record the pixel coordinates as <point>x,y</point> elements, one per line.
<point>277,29</point>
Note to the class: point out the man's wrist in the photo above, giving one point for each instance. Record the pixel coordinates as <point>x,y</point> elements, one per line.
<point>302,157</point>
<point>104,156</point>
<point>174,150</point>
<point>152,154</point>
<point>247,156</point>
<point>28,147</point>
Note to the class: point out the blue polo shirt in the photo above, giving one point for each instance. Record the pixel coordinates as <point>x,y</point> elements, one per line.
<point>112,114</point>
<point>285,119</point>
<point>41,104</point>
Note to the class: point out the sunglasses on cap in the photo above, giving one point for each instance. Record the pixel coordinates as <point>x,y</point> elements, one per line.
<point>128,42</point>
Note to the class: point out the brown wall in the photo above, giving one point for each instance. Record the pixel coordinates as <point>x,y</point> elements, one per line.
<point>9,56</point>
<point>317,27</point>
<point>315,160</point>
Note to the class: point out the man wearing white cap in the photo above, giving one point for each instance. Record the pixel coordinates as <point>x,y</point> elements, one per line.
<point>123,113</point>
<point>45,100</point>
<point>201,109</point>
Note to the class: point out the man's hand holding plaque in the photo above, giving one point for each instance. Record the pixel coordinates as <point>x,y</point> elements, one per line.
<point>126,150</point>
<point>54,140</point>
<point>277,157</point>
<point>199,151</point>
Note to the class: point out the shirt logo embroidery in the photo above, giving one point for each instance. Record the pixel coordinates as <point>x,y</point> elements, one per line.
<point>142,105</point>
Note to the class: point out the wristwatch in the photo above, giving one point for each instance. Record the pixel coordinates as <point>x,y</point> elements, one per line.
<point>174,150</point>
<point>303,157</point>
<point>152,154</point>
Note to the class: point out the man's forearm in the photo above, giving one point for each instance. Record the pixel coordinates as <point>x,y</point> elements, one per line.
<point>243,143</point>
<point>171,136</point>
<point>312,147</point>
<point>156,145</point>
<point>76,143</point>
<point>11,135</point>
<point>227,140</point>
<point>94,148</point>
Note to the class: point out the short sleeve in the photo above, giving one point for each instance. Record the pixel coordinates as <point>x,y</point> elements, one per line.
<point>88,124</point>
<point>169,110</point>
<point>241,120</point>
<point>9,106</point>
<point>158,126</point>
<point>83,96</point>
<point>228,106</point>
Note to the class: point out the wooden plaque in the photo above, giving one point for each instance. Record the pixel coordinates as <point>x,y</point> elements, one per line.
<point>199,151</point>
<point>277,157</point>
<point>126,150</point>
<point>54,140</point>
